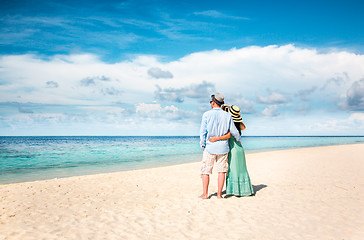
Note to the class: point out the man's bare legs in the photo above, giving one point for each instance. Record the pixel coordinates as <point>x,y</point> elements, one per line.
<point>220,184</point>
<point>205,185</point>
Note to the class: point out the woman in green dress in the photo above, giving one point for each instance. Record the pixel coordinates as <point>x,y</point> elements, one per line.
<point>237,179</point>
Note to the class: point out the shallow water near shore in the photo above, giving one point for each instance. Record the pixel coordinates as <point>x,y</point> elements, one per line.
<point>37,158</point>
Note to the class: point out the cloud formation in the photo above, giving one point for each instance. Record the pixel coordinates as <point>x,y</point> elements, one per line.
<point>88,81</point>
<point>51,84</point>
<point>304,93</point>
<point>159,73</point>
<point>24,110</point>
<point>241,75</point>
<point>246,106</point>
<point>111,91</point>
<point>197,91</point>
<point>273,98</point>
<point>337,80</point>
<point>218,14</point>
<point>271,111</point>
<point>151,111</point>
<point>355,96</point>
<point>357,119</point>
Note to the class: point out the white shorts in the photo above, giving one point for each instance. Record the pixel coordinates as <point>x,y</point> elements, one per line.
<point>208,162</point>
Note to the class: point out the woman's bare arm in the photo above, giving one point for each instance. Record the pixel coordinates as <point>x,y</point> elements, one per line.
<point>223,137</point>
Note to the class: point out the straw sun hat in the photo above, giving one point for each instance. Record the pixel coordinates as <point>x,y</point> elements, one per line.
<point>234,111</point>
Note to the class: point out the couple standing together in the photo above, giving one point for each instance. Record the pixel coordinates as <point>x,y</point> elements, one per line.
<point>220,135</point>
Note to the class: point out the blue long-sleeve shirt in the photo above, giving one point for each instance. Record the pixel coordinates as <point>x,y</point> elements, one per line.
<point>217,122</point>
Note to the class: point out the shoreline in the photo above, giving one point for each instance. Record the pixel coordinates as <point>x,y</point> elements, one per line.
<point>168,165</point>
<point>305,193</point>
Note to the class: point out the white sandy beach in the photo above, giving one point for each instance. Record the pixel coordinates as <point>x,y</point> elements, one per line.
<point>311,193</point>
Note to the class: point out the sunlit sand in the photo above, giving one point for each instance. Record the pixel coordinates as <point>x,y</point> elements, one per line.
<point>308,193</point>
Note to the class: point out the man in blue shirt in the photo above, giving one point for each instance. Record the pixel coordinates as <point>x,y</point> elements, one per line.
<point>215,123</point>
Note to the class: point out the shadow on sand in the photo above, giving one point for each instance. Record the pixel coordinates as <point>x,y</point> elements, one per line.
<point>256,188</point>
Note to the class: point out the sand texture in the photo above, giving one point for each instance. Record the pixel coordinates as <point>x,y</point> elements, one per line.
<point>311,193</point>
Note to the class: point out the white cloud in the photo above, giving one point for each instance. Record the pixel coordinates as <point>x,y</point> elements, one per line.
<point>337,80</point>
<point>271,111</point>
<point>294,73</point>
<point>159,73</point>
<point>302,109</point>
<point>274,98</point>
<point>23,79</point>
<point>237,71</point>
<point>354,124</point>
<point>304,93</point>
<point>217,14</point>
<point>151,111</point>
<point>357,119</point>
<point>34,118</point>
<point>111,91</point>
<point>355,96</point>
<point>246,106</point>
<point>102,108</point>
<point>25,110</point>
<point>197,91</point>
<point>51,84</point>
<point>93,80</point>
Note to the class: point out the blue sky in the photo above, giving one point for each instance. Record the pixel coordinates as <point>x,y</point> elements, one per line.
<point>149,67</point>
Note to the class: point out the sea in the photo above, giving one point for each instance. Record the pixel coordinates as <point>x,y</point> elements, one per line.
<point>37,158</point>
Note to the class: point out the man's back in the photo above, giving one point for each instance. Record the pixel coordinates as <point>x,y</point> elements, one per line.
<point>216,122</point>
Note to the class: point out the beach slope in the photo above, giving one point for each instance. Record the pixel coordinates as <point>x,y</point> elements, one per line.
<point>308,193</point>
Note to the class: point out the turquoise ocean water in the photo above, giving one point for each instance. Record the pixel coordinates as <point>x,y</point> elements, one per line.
<point>36,158</point>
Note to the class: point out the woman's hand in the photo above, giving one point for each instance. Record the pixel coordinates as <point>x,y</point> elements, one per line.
<point>223,137</point>
<point>213,139</point>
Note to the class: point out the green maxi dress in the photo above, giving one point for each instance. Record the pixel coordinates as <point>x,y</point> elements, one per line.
<point>237,179</point>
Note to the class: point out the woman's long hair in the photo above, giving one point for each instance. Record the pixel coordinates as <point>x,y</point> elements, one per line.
<point>238,126</point>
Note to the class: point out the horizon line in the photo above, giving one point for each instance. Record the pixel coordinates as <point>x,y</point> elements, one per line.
<point>177,136</point>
